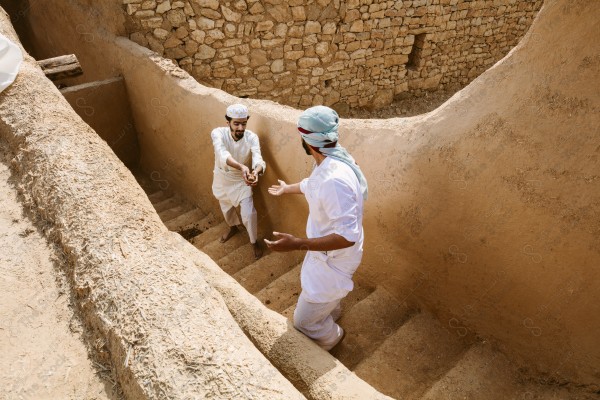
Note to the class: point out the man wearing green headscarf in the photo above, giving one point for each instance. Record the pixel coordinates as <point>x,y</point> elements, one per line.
<point>335,192</point>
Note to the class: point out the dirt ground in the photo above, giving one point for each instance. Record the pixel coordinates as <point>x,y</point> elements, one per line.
<point>406,105</point>
<point>43,355</point>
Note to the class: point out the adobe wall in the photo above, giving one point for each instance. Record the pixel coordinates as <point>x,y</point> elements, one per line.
<point>355,53</point>
<point>104,106</point>
<point>483,211</point>
<point>155,321</point>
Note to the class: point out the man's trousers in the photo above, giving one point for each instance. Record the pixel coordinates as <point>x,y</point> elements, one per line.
<point>317,321</point>
<point>249,216</point>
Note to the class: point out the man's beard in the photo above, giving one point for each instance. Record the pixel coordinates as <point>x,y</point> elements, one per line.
<point>305,147</point>
<point>237,135</point>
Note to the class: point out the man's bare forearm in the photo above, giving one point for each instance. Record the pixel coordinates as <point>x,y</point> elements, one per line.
<point>330,242</point>
<point>292,189</point>
<point>233,163</point>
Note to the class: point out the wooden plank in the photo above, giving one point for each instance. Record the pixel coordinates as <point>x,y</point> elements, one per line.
<point>64,71</point>
<point>56,61</point>
<point>61,67</point>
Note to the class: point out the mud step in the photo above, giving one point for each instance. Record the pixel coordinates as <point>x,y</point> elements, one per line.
<point>358,294</point>
<point>158,196</point>
<point>146,183</point>
<point>368,324</point>
<point>209,235</point>
<point>239,258</point>
<point>289,312</point>
<point>197,228</point>
<point>283,292</point>
<point>217,250</point>
<point>172,212</point>
<point>186,219</point>
<point>412,359</point>
<point>167,203</point>
<point>271,266</point>
<point>484,373</point>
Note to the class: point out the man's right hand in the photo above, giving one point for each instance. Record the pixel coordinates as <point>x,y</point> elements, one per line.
<point>278,190</point>
<point>246,174</point>
<point>284,242</point>
<point>244,169</point>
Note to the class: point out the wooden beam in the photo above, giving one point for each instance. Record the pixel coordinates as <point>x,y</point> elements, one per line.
<point>61,67</point>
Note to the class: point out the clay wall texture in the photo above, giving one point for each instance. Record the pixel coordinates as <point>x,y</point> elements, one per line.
<point>357,53</point>
<point>484,211</point>
<point>145,303</point>
<point>104,107</point>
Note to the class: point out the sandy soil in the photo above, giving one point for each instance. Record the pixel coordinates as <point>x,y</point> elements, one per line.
<point>406,105</point>
<point>43,355</point>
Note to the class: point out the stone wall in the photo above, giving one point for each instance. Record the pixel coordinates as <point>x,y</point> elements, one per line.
<point>357,53</point>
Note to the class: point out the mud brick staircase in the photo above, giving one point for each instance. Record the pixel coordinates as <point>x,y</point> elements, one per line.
<point>403,353</point>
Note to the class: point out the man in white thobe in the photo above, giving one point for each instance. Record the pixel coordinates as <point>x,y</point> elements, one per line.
<point>335,192</point>
<point>236,148</point>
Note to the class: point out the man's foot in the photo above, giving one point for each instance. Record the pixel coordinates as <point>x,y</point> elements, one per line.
<point>332,346</point>
<point>336,314</point>
<point>226,236</point>
<point>258,252</point>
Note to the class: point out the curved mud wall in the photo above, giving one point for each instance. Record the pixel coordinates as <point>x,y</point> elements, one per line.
<point>163,329</point>
<point>484,211</point>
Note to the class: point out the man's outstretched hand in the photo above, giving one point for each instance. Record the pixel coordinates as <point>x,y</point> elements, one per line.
<point>245,174</point>
<point>278,190</point>
<point>287,242</point>
<point>284,242</point>
<point>252,179</point>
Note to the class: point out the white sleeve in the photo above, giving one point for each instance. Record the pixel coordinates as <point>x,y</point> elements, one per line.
<point>303,184</point>
<point>256,155</point>
<point>221,153</point>
<point>340,204</point>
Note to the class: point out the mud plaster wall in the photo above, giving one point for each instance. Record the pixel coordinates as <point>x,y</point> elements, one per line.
<point>105,107</point>
<point>343,53</point>
<point>484,211</point>
<point>165,332</point>
<point>102,106</point>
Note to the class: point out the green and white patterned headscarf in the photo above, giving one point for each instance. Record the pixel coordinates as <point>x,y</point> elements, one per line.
<point>319,128</point>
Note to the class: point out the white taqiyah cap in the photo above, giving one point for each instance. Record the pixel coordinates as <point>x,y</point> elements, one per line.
<point>237,111</point>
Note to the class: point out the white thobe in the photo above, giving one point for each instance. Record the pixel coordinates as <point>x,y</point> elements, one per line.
<point>228,182</point>
<point>335,205</point>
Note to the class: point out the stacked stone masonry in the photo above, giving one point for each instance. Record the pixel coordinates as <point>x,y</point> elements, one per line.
<point>355,53</point>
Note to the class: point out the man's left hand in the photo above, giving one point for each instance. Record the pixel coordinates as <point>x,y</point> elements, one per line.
<point>284,242</point>
<point>254,177</point>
